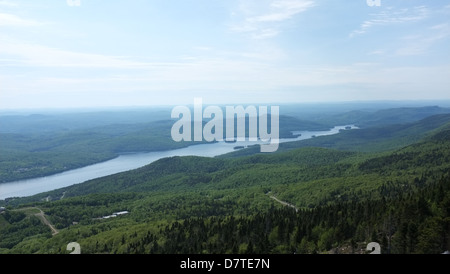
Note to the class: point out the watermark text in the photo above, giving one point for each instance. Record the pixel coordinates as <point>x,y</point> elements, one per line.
<point>373,3</point>
<point>258,124</point>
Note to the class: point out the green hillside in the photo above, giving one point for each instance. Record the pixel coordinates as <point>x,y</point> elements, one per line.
<point>370,139</point>
<point>344,199</point>
<point>42,145</point>
<point>384,116</point>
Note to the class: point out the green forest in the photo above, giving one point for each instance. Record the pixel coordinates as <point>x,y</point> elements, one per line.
<point>27,152</point>
<point>331,194</point>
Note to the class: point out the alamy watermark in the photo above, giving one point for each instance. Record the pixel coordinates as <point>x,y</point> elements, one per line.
<point>213,129</point>
<point>374,247</point>
<point>373,3</point>
<point>74,247</point>
<point>74,3</point>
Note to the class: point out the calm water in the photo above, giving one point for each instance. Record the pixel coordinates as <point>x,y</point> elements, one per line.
<point>128,162</point>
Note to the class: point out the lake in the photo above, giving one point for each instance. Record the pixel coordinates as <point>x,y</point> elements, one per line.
<point>127,162</point>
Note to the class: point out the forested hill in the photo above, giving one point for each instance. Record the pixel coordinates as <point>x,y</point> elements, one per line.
<point>381,138</point>
<point>268,170</point>
<point>368,139</point>
<point>39,145</point>
<point>385,116</point>
<point>344,199</point>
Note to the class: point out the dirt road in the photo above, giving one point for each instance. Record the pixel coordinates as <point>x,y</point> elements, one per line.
<point>284,203</point>
<point>41,216</point>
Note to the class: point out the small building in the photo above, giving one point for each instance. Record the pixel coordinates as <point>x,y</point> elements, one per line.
<point>120,213</point>
<point>115,214</point>
<point>2,209</point>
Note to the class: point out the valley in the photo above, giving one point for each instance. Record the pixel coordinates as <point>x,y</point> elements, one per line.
<point>387,183</point>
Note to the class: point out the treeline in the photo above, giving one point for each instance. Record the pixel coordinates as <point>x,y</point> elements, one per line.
<point>16,226</point>
<point>26,153</point>
<point>203,205</point>
<point>409,220</point>
<point>29,155</point>
<point>410,223</point>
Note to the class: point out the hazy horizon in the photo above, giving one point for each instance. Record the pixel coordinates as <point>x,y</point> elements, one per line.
<point>307,107</point>
<point>95,54</point>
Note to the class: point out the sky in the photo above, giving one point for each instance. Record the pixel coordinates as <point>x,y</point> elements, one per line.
<point>100,53</point>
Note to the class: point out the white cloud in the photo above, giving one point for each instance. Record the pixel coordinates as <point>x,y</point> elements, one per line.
<point>8,3</point>
<point>421,43</point>
<point>74,3</point>
<point>283,10</point>
<point>265,33</point>
<point>263,20</point>
<point>231,79</point>
<point>377,52</point>
<point>12,20</point>
<point>26,54</point>
<point>391,16</point>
